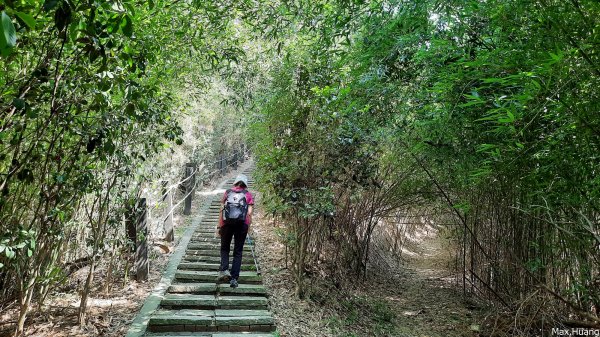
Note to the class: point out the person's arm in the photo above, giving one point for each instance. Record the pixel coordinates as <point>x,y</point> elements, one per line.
<point>249,215</point>
<point>221,222</point>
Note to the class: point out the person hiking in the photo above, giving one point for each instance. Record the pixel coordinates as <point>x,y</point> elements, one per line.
<point>234,220</point>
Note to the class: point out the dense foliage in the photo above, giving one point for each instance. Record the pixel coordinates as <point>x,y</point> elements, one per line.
<point>364,113</point>
<point>488,108</point>
<point>87,95</point>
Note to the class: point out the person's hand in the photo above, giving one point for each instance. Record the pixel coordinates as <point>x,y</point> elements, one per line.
<point>219,231</point>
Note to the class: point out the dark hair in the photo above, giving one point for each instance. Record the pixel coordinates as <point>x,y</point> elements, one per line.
<point>240,184</point>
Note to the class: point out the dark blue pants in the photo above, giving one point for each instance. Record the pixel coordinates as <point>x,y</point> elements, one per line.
<point>237,231</point>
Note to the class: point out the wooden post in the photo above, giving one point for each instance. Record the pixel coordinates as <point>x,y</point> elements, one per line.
<point>189,186</point>
<point>168,225</point>
<point>163,191</point>
<point>142,267</point>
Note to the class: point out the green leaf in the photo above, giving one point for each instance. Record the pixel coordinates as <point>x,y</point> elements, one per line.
<point>2,247</point>
<point>127,26</point>
<point>27,19</point>
<point>29,252</point>
<point>62,16</point>
<point>9,253</point>
<point>1,265</point>
<point>18,103</point>
<point>8,34</point>
<point>50,4</point>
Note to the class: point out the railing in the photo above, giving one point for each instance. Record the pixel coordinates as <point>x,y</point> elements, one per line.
<point>138,225</point>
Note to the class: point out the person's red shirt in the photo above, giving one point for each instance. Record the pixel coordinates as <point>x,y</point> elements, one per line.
<point>249,201</point>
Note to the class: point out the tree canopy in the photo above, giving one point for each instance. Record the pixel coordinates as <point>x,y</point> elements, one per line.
<point>358,112</point>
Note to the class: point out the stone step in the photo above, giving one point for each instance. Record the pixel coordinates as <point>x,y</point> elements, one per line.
<point>208,320</point>
<point>212,225</point>
<point>193,288</point>
<point>242,302</point>
<point>204,226</point>
<point>212,288</point>
<point>205,246</point>
<point>242,289</point>
<point>213,252</point>
<point>208,234</point>
<point>208,302</point>
<point>216,259</point>
<point>205,231</point>
<point>207,225</point>
<point>211,266</point>
<point>186,316</point>
<point>165,313</point>
<point>211,276</point>
<point>208,334</point>
<point>207,239</point>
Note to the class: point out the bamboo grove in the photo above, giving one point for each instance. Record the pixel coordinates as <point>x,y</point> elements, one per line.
<point>481,116</point>
<point>90,99</point>
<point>483,111</point>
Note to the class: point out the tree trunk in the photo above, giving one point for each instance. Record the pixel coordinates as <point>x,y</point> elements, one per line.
<point>25,301</point>
<point>85,293</point>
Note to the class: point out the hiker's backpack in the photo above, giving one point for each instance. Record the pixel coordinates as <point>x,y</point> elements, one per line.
<point>236,206</point>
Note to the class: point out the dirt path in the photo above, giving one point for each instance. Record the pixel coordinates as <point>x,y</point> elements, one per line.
<point>418,298</point>
<point>428,301</point>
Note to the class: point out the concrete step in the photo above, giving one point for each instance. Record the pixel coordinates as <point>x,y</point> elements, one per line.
<point>208,334</point>
<point>207,239</point>
<point>205,266</point>
<point>242,289</point>
<point>211,276</point>
<point>207,246</point>
<point>211,226</point>
<point>207,302</point>
<point>206,231</point>
<point>246,259</point>
<point>212,252</point>
<point>194,288</point>
<point>242,302</point>
<point>212,288</point>
<point>210,320</point>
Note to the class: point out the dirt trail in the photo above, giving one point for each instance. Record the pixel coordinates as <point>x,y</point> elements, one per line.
<point>428,301</point>
<point>416,298</point>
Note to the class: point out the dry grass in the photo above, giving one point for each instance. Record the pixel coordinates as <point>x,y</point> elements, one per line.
<point>417,297</point>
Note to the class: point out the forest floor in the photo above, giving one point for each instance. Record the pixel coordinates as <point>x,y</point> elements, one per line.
<point>418,298</point>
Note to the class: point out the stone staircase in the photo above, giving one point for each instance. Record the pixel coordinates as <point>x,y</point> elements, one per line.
<point>195,304</point>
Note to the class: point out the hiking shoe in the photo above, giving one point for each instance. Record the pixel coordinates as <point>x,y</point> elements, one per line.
<point>233,283</point>
<point>224,276</point>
